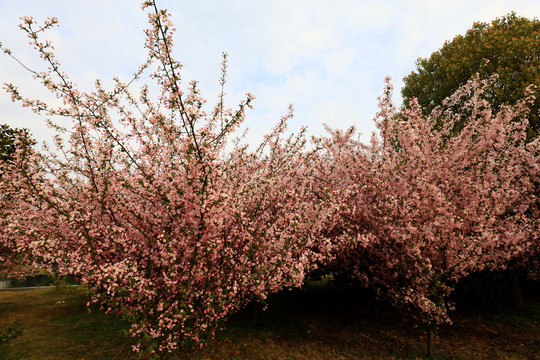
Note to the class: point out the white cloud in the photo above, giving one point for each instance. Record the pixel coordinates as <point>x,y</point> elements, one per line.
<point>338,62</point>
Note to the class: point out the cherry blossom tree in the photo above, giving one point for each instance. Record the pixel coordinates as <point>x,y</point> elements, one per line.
<point>142,201</point>
<point>431,208</point>
<point>12,141</point>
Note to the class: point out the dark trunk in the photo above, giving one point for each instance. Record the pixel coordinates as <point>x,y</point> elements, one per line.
<point>431,337</point>
<point>255,315</point>
<point>514,289</point>
<point>376,311</point>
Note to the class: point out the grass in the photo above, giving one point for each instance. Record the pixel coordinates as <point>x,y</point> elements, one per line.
<point>57,325</point>
<point>316,324</point>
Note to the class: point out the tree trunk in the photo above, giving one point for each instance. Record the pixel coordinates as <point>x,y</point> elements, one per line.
<point>377,311</point>
<point>514,288</point>
<point>255,315</point>
<point>430,339</point>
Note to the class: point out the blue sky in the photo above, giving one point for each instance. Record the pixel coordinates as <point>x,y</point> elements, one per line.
<point>326,57</point>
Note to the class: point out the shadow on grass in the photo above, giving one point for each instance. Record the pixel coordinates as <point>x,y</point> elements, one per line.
<point>317,323</point>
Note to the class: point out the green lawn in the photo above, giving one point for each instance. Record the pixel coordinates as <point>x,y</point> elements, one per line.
<point>316,324</point>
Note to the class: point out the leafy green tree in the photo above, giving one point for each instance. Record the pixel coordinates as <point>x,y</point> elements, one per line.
<point>509,48</point>
<point>8,141</point>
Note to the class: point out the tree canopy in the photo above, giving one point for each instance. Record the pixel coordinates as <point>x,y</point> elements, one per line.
<point>509,48</point>
<point>8,141</point>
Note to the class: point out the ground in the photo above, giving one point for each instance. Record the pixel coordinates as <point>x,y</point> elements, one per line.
<point>319,323</point>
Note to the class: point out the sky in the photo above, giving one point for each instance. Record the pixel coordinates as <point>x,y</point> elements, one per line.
<point>328,58</point>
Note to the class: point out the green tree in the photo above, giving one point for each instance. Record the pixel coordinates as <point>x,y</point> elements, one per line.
<point>509,47</point>
<point>8,141</point>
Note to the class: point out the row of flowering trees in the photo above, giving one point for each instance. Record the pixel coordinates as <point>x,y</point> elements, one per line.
<point>144,203</point>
